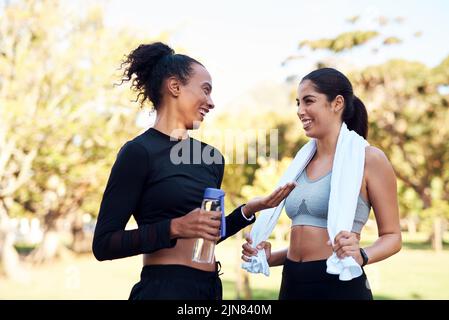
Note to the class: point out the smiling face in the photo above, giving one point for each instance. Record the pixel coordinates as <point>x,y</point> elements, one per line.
<point>194,100</point>
<point>317,114</point>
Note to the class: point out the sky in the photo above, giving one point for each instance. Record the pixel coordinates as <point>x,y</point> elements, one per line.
<point>243,42</point>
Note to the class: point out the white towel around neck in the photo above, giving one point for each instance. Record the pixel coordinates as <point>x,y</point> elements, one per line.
<point>346,180</point>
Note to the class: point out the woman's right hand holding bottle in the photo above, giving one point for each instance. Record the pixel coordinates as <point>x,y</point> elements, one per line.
<point>197,223</point>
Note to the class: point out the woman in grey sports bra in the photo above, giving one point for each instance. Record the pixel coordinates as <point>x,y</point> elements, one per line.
<point>325,100</point>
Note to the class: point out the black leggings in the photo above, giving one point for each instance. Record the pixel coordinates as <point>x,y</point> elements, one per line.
<point>177,282</point>
<point>309,280</point>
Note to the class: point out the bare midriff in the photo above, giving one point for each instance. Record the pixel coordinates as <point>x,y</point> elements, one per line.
<point>309,243</point>
<point>180,254</point>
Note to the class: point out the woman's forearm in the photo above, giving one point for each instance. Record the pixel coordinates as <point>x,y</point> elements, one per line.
<point>278,258</point>
<point>385,246</point>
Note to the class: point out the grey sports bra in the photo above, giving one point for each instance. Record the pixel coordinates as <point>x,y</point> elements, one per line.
<point>307,204</point>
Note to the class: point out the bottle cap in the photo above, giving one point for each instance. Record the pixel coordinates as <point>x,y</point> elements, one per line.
<point>212,193</point>
<point>218,194</point>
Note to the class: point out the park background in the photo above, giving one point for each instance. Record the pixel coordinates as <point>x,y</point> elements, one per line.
<point>62,122</point>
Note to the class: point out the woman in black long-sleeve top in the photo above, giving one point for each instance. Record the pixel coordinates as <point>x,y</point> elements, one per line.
<point>160,176</point>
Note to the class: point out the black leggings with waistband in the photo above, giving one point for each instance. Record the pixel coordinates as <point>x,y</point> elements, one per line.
<point>310,281</point>
<point>177,282</point>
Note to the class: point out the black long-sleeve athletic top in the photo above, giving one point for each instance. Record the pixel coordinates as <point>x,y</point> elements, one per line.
<point>156,178</point>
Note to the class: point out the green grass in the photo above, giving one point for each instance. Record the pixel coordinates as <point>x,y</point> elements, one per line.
<point>414,273</point>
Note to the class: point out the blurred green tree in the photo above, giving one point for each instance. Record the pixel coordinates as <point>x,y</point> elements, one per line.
<point>62,120</point>
<point>408,120</point>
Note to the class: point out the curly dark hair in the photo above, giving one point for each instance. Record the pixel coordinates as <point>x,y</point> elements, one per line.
<point>151,64</point>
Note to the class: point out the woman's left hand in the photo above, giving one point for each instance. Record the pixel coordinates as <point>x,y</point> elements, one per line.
<point>261,203</point>
<point>346,244</point>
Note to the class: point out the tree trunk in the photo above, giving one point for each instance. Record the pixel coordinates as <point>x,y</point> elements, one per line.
<point>411,225</point>
<point>81,240</point>
<point>50,248</point>
<point>243,290</point>
<point>437,235</point>
<point>47,249</point>
<point>51,245</point>
<point>10,265</point>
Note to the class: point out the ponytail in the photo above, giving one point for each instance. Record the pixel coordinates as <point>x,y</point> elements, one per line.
<point>356,117</point>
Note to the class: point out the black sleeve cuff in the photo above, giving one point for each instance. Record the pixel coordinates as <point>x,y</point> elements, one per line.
<point>157,236</point>
<point>235,222</point>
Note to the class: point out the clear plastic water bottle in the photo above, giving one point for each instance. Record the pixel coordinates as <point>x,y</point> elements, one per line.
<point>213,200</point>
